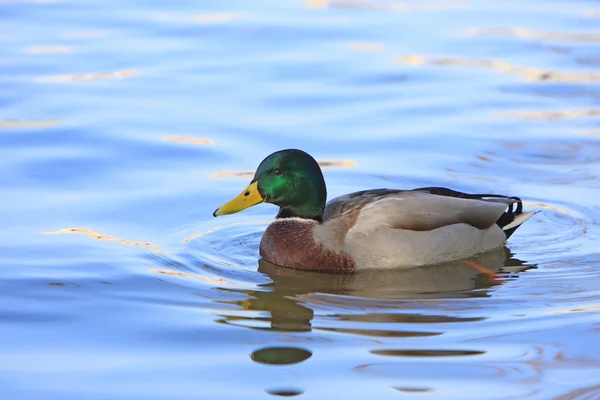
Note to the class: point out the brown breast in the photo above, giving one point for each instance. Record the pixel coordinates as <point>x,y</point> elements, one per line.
<point>289,242</point>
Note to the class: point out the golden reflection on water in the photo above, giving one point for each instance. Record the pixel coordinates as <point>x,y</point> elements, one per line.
<point>537,205</point>
<point>550,115</point>
<point>204,19</point>
<point>527,74</point>
<point>526,33</point>
<point>587,393</point>
<point>187,139</point>
<point>232,174</point>
<point>125,73</point>
<point>325,164</point>
<point>99,236</point>
<point>21,124</point>
<point>221,17</point>
<point>48,50</point>
<point>576,310</point>
<point>367,47</point>
<point>189,275</point>
<point>380,6</point>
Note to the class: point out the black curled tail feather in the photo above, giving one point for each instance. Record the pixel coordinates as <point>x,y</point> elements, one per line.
<point>510,215</point>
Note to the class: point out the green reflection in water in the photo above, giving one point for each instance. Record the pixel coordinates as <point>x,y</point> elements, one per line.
<point>280,355</point>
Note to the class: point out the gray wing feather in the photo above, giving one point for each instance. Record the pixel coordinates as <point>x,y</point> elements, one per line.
<point>417,210</point>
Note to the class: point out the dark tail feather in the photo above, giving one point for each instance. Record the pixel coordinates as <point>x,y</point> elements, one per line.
<point>510,215</point>
<point>511,220</point>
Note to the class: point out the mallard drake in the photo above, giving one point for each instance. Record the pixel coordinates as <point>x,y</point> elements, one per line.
<point>381,228</point>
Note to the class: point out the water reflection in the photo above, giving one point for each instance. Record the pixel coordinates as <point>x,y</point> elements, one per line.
<point>412,390</point>
<point>550,115</point>
<point>290,294</point>
<point>366,47</point>
<point>94,76</point>
<point>324,164</point>
<point>49,50</point>
<point>527,74</point>
<point>21,124</point>
<point>285,392</point>
<point>526,33</point>
<point>426,353</point>
<point>100,236</point>
<point>188,140</point>
<point>280,355</point>
<point>381,6</point>
<point>205,19</point>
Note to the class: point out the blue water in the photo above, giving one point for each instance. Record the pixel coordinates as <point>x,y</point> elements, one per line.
<point>124,124</point>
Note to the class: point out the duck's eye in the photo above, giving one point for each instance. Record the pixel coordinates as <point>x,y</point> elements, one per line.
<point>278,171</point>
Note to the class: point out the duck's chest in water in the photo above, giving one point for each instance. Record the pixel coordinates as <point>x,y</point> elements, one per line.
<point>290,242</point>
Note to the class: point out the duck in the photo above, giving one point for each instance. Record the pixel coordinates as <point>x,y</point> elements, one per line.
<point>370,229</point>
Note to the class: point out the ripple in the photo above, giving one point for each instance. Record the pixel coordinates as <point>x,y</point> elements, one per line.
<point>527,74</point>
<point>550,115</point>
<point>577,310</point>
<point>449,370</point>
<point>526,33</point>
<point>534,162</point>
<point>256,225</point>
<point>587,393</point>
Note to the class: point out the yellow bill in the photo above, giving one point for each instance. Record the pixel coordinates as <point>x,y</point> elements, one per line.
<point>248,198</point>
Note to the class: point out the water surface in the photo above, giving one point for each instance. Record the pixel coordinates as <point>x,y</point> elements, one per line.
<point>124,124</point>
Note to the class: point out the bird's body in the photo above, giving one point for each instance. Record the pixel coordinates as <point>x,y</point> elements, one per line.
<point>381,228</point>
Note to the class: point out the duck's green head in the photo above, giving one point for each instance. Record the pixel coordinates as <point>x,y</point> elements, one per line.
<point>290,179</point>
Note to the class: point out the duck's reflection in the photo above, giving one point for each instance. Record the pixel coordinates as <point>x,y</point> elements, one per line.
<point>288,296</point>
